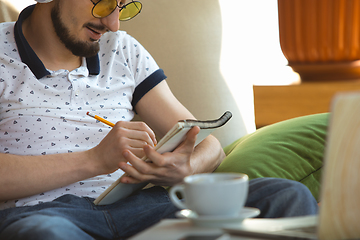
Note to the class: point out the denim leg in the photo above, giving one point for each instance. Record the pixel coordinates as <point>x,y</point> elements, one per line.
<point>135,214</point>
<point>274,197</point>
<point>115,221</point>
<point>39,227</point>
<point>277,197</point>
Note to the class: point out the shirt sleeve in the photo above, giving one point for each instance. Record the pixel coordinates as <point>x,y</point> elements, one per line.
<point>146,72</point>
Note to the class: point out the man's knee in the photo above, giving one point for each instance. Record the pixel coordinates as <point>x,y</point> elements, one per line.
<point>269,186</point>
<point>281,198</point>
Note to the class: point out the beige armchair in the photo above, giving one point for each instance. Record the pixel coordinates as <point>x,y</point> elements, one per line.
<point>8,12</point>
<point>185,38</point>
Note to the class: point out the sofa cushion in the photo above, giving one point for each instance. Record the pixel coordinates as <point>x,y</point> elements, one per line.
<point>291,149</point>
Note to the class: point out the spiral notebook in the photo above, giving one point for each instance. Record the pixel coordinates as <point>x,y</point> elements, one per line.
<point>168,143</point>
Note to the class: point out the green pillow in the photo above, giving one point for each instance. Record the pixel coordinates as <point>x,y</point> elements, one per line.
<point>291,149</point>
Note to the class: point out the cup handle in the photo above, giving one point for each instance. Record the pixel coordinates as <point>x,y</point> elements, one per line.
<point>174,198</point>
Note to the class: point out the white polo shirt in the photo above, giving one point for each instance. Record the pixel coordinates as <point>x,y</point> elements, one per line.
<point>44,112</point>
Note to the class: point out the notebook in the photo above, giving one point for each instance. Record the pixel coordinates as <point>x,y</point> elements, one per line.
<point>168,143</point>
<point>340,190</point>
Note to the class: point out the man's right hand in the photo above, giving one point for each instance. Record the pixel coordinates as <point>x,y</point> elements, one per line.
<point>132,136</point>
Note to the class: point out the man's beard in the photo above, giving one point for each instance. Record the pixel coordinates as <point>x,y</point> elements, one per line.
<point>78,48</point>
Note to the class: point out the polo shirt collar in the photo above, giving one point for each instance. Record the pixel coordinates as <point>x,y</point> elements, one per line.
<point>29,57</point>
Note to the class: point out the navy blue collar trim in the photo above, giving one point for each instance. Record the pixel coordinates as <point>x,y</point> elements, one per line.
<point>29,57</point>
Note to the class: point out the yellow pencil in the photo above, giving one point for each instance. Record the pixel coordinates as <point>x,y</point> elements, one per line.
<point>100,119</point>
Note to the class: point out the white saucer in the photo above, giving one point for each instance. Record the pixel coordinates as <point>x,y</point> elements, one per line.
<point>217,221</point>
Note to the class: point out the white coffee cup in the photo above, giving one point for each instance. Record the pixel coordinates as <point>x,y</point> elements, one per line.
<point>212,194</point>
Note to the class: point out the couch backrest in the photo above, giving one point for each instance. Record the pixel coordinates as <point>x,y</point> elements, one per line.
<point>8,12</point>
<point>185,38</point>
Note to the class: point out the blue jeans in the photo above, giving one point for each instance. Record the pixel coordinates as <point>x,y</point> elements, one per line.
<point>72,217</point>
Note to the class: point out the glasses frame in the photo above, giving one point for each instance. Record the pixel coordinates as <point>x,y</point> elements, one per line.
<point>120,9</point>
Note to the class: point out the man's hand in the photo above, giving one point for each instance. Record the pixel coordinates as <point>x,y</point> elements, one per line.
<point>164,169</point>
<point>124,137</point>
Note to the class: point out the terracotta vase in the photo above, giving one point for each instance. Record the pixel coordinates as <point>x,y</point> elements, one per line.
<point>321,38</point>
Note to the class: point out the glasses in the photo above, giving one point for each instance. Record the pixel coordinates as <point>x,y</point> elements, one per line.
<point>104,8</point>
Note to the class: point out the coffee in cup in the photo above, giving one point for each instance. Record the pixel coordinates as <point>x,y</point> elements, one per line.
<point>212,194</point>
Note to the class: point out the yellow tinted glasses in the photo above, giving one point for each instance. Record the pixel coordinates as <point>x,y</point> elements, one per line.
<point>104,8</point>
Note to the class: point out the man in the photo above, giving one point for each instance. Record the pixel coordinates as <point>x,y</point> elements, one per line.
<point>61,59</point>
